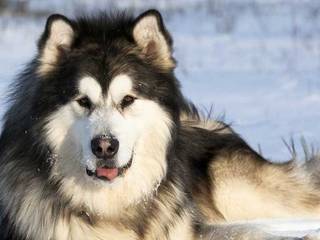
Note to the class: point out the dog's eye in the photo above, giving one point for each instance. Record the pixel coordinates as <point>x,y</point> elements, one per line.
<point>127,101</point>
<point>85,102</point>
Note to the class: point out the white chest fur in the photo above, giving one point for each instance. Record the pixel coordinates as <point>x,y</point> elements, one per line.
<point>77,229</point>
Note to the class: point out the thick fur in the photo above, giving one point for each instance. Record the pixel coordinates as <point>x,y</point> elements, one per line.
<point>185,177</point>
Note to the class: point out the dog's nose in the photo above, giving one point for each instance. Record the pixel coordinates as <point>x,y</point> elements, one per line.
<point>104,147</point>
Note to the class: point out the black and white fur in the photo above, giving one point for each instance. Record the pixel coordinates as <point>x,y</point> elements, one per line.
<point>74,90</point>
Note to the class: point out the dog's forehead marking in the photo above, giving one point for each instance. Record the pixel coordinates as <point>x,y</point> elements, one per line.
<point>90,87</point>
<point>120,86</point>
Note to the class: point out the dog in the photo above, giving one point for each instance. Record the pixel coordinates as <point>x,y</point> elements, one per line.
<point>99,143</point>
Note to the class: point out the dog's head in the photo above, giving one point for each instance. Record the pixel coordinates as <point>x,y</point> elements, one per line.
<point>114,105</point>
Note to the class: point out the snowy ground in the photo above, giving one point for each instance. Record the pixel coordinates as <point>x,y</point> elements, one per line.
<point>256,61</point>
<point>294,228</point>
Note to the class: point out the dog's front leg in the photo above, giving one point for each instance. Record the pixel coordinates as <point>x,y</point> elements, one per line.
<point>239,232</point>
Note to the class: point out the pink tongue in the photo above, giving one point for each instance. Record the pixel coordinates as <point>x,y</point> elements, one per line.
<point>109,173</point>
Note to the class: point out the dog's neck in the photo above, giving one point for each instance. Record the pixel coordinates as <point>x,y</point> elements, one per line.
<point>142,206</point>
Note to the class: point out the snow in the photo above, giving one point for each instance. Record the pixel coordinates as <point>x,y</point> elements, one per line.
<point>263,79</point>
<point>289,227</point>
<point>255,61</point>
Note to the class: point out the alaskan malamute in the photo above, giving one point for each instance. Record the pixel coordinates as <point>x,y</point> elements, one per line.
<point>99,143</point>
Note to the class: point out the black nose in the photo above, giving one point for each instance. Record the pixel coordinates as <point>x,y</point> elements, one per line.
<point>104,147</point>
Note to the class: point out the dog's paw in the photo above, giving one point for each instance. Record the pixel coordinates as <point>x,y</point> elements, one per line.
<point>313,236</point>
<point>288,238</point>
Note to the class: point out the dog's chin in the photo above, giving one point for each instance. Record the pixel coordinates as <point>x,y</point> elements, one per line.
<point>107,173</point>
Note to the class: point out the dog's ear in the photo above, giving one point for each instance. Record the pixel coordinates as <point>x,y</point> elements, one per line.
<point>153,39</point>
<point>58,37</point>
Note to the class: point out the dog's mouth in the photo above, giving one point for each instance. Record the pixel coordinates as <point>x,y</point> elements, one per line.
<point>107,173</point>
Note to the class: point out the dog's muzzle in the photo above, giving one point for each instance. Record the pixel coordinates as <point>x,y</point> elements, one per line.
<point>105,147</point>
